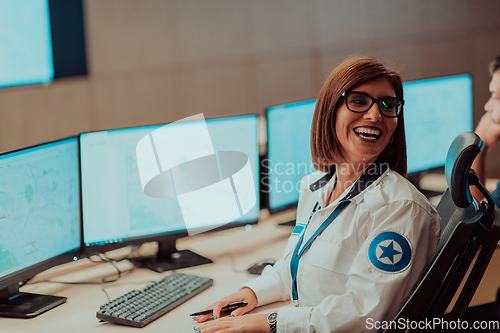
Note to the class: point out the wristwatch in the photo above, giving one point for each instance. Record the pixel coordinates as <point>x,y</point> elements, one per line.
<point>272,320</point>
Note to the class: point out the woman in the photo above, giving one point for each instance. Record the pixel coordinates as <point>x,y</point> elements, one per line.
<point>364,234</point>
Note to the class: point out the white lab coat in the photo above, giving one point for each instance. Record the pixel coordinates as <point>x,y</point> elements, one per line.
<point>338,286</point>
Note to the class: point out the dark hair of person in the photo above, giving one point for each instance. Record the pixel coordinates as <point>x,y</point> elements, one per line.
<point>494,65</point>
<point>325,146</point>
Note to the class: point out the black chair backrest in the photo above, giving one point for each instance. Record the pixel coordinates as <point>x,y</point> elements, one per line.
<point>461,154</point>
<point>467,229</point>
<point>457,203</point>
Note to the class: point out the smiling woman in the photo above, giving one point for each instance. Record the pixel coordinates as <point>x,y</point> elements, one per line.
<point>367,76</point>
<point>363,234</point>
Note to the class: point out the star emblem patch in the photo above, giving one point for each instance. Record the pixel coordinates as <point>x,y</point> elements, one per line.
<point>390,252</point>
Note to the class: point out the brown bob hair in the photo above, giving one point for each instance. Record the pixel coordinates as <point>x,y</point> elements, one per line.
<point>325,146</point>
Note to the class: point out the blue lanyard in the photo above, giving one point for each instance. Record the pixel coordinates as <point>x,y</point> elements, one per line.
<point>294,263</point>
<point>371,174</point>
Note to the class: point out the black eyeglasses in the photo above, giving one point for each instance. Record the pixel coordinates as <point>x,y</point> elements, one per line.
<point>358,101</point>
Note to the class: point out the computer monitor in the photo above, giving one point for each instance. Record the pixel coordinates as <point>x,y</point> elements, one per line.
<point>435,112</point>
<point>27,56</point>
<point>288,157</point>
<point>41,40</point>
<point>116,210</point>
<point>40,220</point>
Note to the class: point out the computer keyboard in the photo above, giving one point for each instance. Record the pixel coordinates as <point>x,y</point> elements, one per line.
<point>140,307</point>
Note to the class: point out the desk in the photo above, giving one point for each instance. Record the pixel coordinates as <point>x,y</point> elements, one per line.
<point>265,240</point>
<point>245,246</point>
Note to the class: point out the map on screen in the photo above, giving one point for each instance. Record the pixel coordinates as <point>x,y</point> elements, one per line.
<point>39,204</point>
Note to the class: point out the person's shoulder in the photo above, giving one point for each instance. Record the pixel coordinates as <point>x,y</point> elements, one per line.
<point>396,188</point>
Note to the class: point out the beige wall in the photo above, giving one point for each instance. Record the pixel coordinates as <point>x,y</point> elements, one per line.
<point>155,61</point>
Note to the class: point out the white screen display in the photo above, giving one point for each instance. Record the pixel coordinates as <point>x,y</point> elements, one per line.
<point>39,204</point>
<point>26,48</point>
<point>289,153</point>
<point>115,207</point>
<point>435,112</point>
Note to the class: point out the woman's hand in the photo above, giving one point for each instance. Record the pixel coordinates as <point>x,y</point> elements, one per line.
<point>252,323</point>
<point>243,295</point>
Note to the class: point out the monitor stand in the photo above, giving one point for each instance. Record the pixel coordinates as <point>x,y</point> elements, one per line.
<point>290,223</point>
<point>25,305</point>
<point>168,258</point>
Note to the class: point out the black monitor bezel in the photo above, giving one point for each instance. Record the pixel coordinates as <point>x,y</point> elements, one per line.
<point>93,249</point>
<point>292,205</point>
<point>416,175</point>
<point>28,273</point>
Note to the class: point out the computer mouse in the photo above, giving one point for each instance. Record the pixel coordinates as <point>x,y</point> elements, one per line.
<point>259,266</point>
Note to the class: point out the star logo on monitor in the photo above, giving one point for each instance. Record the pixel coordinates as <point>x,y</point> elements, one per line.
<point>390,252</point>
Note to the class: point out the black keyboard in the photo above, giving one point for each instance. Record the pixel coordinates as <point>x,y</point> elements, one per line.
<point>140,307</point>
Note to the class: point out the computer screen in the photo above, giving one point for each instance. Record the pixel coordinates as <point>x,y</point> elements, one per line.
<point>40,223</point>
<point>26,42</point>
<point>116,209</point>
<point>41,40</point>
<point>435,112</point>
<point>288,152</point>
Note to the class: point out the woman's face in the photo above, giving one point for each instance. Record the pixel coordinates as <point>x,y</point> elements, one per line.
<point>363,136</point>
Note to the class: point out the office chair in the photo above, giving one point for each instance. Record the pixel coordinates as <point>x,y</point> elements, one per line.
<point>468,231</point>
